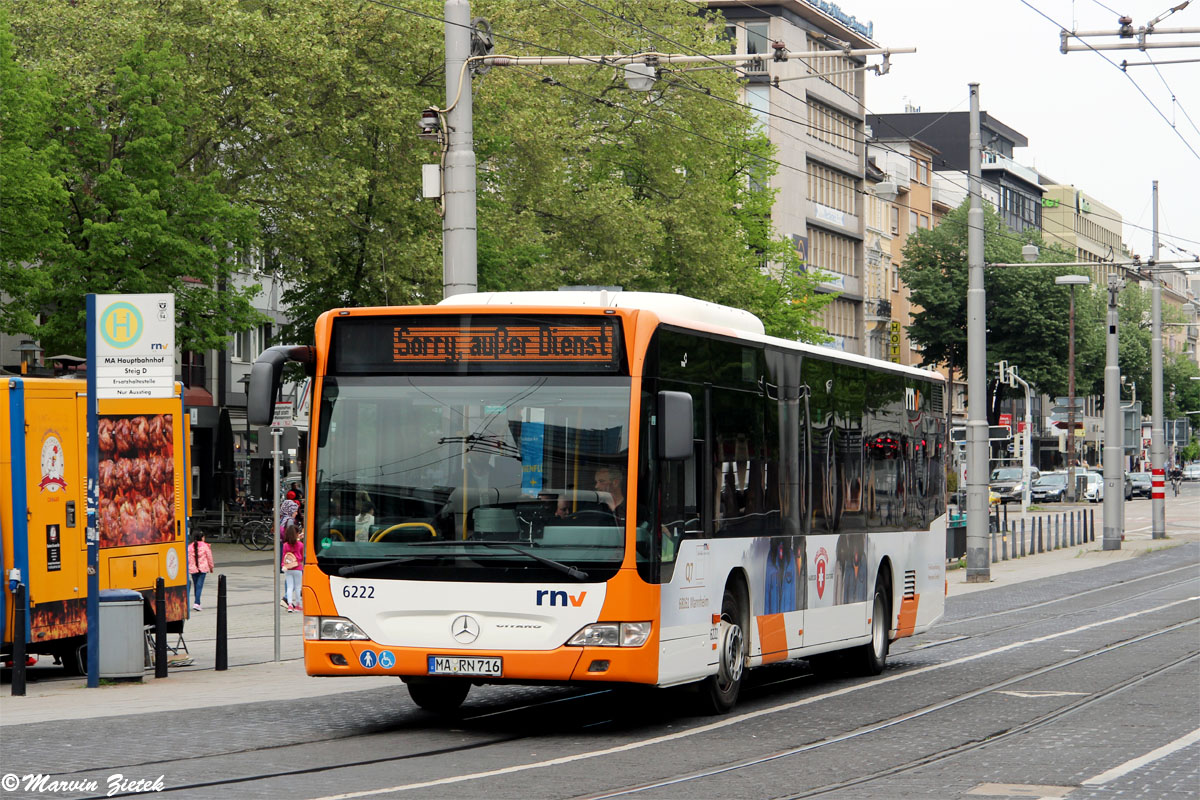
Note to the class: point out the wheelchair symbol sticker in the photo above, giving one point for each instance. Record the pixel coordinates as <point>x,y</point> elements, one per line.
<point>367,659</point>
<point>387,659</point>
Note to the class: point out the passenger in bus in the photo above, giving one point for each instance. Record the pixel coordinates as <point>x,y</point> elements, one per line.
<point>364,517</point>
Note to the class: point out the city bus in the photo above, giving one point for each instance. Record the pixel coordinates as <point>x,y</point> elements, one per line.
<point>607,487</point>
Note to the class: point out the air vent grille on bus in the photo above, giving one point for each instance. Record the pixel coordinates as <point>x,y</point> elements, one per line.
<point>936,400</point>
<point>910,583</point>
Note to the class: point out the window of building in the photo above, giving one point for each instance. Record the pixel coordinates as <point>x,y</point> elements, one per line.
<point>830,252</point>
<point>757,43</point>
<point>831,188</point>
<point>925,221</point>
<point>895,280</point>
<point>759,100</point>
<point>912,221</point>
<point>832,127</point>
<point>894,216</point>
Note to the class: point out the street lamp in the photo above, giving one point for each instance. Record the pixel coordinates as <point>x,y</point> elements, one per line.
<point>1072,281</point>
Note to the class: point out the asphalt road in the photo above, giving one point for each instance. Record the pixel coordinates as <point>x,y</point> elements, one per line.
<point>1046,688</point>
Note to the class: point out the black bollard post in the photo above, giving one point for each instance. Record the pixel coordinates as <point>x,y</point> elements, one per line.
<point>1004,539</point>
<point>1022,537</point>
<point>1093,525</point>
<point>1041,545</point>
<point>160,629</point>
<point>1058,524</point>
<point>222,629</point>
<point>18,676</point>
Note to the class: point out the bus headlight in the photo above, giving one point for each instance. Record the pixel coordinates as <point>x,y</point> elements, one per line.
<point>332,628</point>
<point>611,634</point>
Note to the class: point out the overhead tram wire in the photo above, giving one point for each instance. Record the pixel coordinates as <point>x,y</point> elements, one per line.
<point>882,145</point>
<point>776,115</point>
<point>1117,66</point>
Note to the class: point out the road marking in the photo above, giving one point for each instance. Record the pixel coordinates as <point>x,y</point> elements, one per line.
<point>1141,761</point>
<point>1047,693</point>
<point>725,723</point>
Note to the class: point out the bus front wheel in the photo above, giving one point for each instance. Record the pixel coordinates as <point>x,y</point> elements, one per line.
<point>439,695</point>
<point>720,691</point>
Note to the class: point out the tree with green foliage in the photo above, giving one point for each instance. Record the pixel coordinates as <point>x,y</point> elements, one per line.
<point>1027,314</point>
<point>133,217</point>
<point>303,115</point>
<point>30,190</point>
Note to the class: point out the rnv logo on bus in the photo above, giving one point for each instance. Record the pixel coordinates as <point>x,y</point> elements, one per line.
<point>560,597</point>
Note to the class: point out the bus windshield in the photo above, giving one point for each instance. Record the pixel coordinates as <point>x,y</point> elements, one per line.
<point>485,477</point>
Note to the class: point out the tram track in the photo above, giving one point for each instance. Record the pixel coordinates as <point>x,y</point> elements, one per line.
<point>727,722</point>
<point>990,739</point>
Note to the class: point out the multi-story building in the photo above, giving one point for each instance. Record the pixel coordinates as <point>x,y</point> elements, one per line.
<point>817,126</point>
<point>1013,189</point>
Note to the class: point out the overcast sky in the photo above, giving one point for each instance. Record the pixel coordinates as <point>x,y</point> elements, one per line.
<point>1086,122</point>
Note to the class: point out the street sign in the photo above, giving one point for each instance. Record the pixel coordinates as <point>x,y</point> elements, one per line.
<point>135,345</point>
<point>283,415</point>
<point>999,433</point>
<point>958,434</point>
<point>1066,401</point>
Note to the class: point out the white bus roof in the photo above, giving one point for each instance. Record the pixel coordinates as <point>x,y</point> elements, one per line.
<point>669,305</point>
<point>676,307</point>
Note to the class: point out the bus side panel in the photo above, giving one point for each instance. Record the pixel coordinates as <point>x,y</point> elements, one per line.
<point>57,552</point>
<point>688,602</point>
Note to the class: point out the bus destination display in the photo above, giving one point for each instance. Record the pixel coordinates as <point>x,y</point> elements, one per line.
<point>507,343</point>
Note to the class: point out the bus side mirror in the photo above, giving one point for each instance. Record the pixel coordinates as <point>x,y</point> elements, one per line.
<point>674,425</point>
<point>265,376</point>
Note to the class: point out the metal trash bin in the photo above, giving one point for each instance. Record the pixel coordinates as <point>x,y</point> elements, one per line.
<point>122,635</point>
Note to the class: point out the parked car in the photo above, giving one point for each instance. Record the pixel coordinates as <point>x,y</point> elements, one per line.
<point>1141,483</point>
<point>1093,489</point>
<point>1009,483</point>
<point>1051,487</point>
<point>1191,472</point>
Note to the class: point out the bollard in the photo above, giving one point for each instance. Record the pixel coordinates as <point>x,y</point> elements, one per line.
<point>160,629</point>
<point>1004,539</point>
<point>1093,524</point>
<point>222,629</point>
<point>18,655</point>
<point>995,544</point>
<point>1022,537</point>
<point>1058,525</point>
<point>1074,516</point>
<point>1041,545</point>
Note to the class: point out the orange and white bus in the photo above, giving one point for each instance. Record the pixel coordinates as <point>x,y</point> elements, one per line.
<point>583,487</point>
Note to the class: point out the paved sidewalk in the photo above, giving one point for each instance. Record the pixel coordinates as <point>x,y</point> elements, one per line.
<point>254,675</point>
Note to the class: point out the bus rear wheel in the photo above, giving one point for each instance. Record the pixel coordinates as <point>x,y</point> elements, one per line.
<point>439,695</point>
<point>720,691</point>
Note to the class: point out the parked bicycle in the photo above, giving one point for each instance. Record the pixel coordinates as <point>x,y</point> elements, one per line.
<point>250,532</point>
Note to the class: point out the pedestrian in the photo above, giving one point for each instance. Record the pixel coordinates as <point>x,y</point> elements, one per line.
<point>287,512</point>
<point>364,520</point>
<point>200,563</point>
<point>292,564</point>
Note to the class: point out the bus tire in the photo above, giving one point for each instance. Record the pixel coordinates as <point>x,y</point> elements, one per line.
<point>719,692</point>
<point>439,695</point>
<point>871,657</point>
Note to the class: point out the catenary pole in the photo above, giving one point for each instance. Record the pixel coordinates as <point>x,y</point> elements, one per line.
<point>1114,432</point>
<point>459,245</point>
<point>978,565</point>
<point>1158,501</point>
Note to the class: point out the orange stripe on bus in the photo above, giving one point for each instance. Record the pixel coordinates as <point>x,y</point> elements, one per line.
<point>773,636</point>
<point>908,616</point>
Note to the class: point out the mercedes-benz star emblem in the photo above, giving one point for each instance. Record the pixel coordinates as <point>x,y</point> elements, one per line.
<point>464,629</point>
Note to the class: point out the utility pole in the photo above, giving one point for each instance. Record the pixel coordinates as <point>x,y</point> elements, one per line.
<point>1114,431</point>
<point>978,557</point>
<point>459,243</point>
<point>1158,501</point>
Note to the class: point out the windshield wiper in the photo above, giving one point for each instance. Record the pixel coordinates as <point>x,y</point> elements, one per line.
<point>578,574</point>
<point>354,569</point>
<point>574,572</point>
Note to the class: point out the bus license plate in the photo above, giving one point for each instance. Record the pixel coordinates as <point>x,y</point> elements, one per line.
<point>466,665</point>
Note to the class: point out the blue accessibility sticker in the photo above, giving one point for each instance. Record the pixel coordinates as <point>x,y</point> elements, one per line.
<point>367,659</point>
<point>387,659</point>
